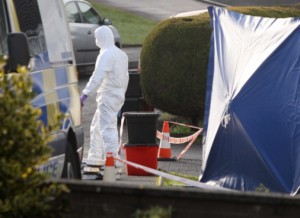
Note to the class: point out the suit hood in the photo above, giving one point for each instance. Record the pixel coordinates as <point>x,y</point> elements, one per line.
<point>104,37</point>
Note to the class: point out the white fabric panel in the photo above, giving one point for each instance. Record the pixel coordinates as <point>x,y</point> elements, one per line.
<point>241,44</point>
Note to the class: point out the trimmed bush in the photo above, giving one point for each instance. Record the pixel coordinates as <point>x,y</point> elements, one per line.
<point>24,191</point>
<point>174,60</point>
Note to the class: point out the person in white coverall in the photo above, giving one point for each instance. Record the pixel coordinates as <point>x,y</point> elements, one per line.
<point>110,80</point>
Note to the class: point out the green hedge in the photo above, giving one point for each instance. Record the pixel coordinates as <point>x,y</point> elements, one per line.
<point>174,60</point>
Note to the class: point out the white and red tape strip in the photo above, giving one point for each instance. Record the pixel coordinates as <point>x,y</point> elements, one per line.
<point>173,140</point>
<point>182,140</point>
<point>173,177</point>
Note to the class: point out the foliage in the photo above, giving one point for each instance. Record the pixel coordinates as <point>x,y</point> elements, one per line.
<point>154,212</point>
<point>24,191</point>
<point>175,129</point>
<point>173,57</point>
<point>262,188</point>
<point>273,12</point>
<point>174,60</point>
<point>178,130</point>
<point>168,182</point>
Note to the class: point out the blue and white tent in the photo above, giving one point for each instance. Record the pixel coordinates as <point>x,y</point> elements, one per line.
<point>252,118</point>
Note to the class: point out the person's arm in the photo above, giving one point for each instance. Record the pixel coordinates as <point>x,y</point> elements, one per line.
<point>103,65</point>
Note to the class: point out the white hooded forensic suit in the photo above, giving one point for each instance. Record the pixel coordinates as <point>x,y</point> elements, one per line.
<point>110,79</point>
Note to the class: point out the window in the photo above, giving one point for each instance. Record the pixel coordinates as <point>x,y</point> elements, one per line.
<point>72,13</point>
<point>89,15</point>
<point>57,35</point>
<point>31,24</point>
<point>3,30</point>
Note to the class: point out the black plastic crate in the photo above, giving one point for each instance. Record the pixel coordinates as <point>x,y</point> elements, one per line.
<point>131,104</point>
<point>134,88</point>
<point>141,127</point>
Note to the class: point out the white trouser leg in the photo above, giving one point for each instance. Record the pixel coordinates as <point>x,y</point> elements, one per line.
<point>109,129</point>
<point>109,106</point>
<point>96,152</point>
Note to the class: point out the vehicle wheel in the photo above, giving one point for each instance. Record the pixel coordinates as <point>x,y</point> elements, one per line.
<point>72,164</point>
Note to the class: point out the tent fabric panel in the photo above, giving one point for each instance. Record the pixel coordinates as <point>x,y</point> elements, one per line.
<point>235,163</point>
<point>207,97</point>
<point>241,44</point>
<point>264,113</point>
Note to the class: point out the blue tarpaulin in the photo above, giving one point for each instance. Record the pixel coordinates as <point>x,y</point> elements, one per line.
<point>252,111</point>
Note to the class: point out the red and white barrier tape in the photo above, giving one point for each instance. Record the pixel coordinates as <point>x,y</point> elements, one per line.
<point>172,140</point>
<point>173,177</point>
<point>191,138</point>
<point>181,140</point>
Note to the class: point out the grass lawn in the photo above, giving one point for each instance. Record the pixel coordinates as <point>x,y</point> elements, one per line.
<point>132,28</point>
<point>167,182</point>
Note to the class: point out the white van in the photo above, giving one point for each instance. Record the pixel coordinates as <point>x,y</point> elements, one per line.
<point>35,33</point>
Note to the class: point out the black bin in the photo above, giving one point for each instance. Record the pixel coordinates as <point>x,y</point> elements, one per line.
<point>131,104</point>
<point>141,127</point>
<point>134,88</point>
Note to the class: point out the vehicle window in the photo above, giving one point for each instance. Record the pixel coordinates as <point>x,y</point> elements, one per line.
<point>3,30</point>
<point>57,36</point>
<point>72,13</point>
<point>31,24</point>
<point>89,15</point>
